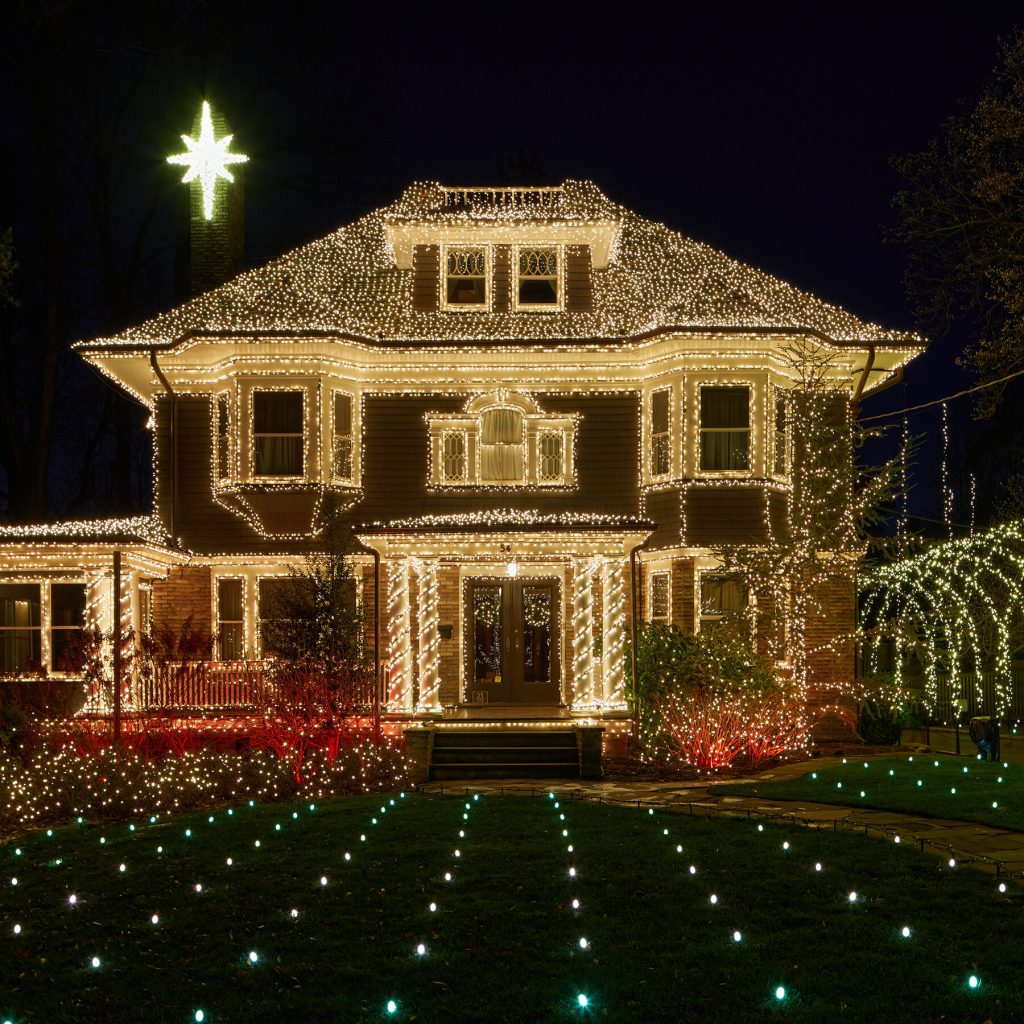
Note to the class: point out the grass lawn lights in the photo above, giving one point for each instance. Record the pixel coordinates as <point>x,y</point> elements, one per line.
<point>929,785</point>
<point>492,908</point>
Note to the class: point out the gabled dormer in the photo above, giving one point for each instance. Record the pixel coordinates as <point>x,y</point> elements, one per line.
<point>498,250</point>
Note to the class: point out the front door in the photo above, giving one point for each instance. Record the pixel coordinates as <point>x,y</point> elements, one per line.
<point>512,641</point>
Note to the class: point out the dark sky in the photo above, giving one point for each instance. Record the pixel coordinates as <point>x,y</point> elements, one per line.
<point>765,131</point>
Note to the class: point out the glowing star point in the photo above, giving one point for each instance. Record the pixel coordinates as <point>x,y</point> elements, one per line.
<point>206,159</point>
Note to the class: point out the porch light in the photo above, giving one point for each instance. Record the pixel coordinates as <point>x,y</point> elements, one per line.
<point>512,568</point>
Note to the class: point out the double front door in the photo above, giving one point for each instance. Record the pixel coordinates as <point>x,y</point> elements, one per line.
<point>512,640</point>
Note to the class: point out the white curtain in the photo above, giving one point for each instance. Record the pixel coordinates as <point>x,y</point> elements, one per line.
<point>501,462</point>
<point>502,426</point>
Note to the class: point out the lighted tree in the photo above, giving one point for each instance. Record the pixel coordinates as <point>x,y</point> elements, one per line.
<point>831,504</point>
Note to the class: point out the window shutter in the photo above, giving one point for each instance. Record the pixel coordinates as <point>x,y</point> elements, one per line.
<point>426,278</point>
<point>501,294</point>
<point>579,279</point>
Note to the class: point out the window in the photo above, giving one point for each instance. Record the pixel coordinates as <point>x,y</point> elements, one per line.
<point>549,456</point>
<point>67,620</point>
<point>453,456</point>
<point>501,446</point>
<point>466,277</point>
<point>724,428</point>
<point>780,456</point>
<point>20,627</point>
<point>223,442</point>
<point>660,437</point>
<point>146,608</point>
<point>341,466</point>
<point>721,597</point>
<point>272,596</point>
<point>231,618</point>
<point>277,448</point>
<point>537,277</point>
<point>660,598</point>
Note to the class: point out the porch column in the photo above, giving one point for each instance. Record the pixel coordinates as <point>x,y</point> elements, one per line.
<point>399,638</point>
<point>428,661</point>
<point>613,621</point>
<point>583,633</point>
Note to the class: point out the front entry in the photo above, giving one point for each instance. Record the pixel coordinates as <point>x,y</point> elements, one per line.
<point>512,641</point>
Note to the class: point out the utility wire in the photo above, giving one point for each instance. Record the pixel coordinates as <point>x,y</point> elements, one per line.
<point>939,401</point>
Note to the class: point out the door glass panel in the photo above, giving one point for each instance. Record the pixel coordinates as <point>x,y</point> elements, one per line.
<point>487,639</point>
<point>536,634</point>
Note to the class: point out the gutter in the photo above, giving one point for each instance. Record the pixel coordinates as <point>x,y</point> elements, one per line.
<point>174,441</point>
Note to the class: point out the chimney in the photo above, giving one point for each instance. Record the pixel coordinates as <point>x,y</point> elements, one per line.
<point>216,201</point>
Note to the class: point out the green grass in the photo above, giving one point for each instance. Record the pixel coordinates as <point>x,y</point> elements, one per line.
<point>917,784</point>
<point>503,944</point>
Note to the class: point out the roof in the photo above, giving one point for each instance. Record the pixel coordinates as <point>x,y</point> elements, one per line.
<point>129,530</point>
<point>348,283</point>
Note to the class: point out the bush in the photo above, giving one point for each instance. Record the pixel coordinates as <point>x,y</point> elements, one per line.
<point>711,701</point>
<point>884,709</point>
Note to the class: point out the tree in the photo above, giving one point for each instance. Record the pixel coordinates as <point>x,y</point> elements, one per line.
<point>961,216</point>
<point>832,503</point>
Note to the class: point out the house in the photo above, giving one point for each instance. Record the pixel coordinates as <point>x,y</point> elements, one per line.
<point>537,408</point>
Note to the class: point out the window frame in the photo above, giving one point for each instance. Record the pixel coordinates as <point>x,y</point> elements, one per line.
<point>701,620</point>
<point>273,478</point>
<point>660,574</point>
<point>748,470</point>
<point>669,391</point>
<point>781,396</point>
<point>46,628</point>
<point>467,307</point>
<point>443,476</point>
<point>539,307</point>
<point>353,420</point>
<point>224,469</point>
<point>218,580</point>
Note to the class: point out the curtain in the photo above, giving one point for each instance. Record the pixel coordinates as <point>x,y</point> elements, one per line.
<point>725,449</point>
<point>277,456</point>
<point>725,407</point>
<point>277,412</point>
<point>501,462</point>
<point>502,426</point>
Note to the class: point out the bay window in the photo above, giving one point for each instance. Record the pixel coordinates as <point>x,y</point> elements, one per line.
<point>277,435</point>
<point>724,427</point>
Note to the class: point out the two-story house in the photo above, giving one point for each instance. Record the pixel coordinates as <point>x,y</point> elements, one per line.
<point>539,409</point>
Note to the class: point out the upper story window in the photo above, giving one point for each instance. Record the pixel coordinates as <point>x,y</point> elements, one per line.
<point>341,452</point>
<point>277,434</point>
<point>661,450</point>
<point>501,440</point>
<point>223,437</point>
<point>724,427</point>
<point>466,277</point>
<point>537,278</point>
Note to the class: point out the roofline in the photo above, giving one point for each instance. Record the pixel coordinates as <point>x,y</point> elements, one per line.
<point>909,340</point>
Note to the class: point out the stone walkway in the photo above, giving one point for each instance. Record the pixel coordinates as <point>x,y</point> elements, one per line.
<point>994,849</point>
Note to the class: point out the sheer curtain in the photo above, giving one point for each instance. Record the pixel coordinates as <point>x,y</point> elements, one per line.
<point>501,448</point>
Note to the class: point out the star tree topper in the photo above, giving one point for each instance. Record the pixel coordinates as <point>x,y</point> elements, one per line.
<point>207,159</point>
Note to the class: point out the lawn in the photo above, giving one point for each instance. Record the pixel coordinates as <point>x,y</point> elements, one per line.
<point>935,787</point>
<point>290,929</point>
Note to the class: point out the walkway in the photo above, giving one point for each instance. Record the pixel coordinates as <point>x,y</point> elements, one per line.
<point>994,849</point>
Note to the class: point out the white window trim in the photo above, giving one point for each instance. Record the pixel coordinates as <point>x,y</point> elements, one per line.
<point>217,579</point>
<point>45,627</point>
<point>664,571</point>
<point>459,307</point>
<point>649,429</point>
<point>539,307</point>
<point>307,425</point>
<point>753,395</point>
<point>355,422</point>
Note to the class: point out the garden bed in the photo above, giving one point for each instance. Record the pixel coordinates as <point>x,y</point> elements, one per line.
<point>261,916</point>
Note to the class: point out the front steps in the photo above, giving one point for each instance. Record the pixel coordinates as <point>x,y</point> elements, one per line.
<point>555,750</point>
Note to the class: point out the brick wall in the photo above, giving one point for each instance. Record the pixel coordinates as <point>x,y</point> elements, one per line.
<point>185,593</point>
<point>837,598</point>
<point>682,593</point>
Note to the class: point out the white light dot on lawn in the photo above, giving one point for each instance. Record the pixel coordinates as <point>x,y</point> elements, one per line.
<point>952,862</point>
<point>462,833</point>
<point>569,848</point>
<point>679,848</point>
<point>295,913</point>
<point>561,817</point>
<point>650,810</point>
<point>693,869</point>
<point>95,961</point>
<point>277,827</point>
<point>323,879</point>
<point>817,866</point>
<point>200,1017</point>
<point>348,856</point>
<point>785,845</point>
<point>362,838</point>
<point>895,839</point>
<point>936,764</point>
<point>155,919</point>
<point>572,872</point>
<point>210,819</point>
<point>974,981</point>
<point>994,805</point>
<point>72,899</point>
<point>780,993</point>
<point>760,828</point>
<point>665,833</point>
<point>713,898</point>
<point>953,790</point>
<point>853,897</point>
<point>447,876</point>
<point>839,785</point>
<point>465,817</point>
<point>565,833</point>
<point>103,840</point>
<point>229,862</point>
<point>1000,779</point>
<point>582,1001</point>
<point>910,758</point>
<point>891,772</point>
<point>844,760</point>
<point>1002,887</point>
<point>919,782</point>
<point>421,950</point>
<point>458,853</point>
<point>814,775</point>
<point>188,833</point>
<point>862,794</point>
<point>965,769</point>
<point>159,849</point>
<point>865,764</point>
<point>583,943</point>
<point>576,903</point>
<point>17,929</point>
<point>199,886</point>
<point>253,956</point>
<point>256,844</point>
<point>433,907</point>
<point>121,868</point>
<point>373,821</point>
<point>737,937</point>
<point>392,1006</point>
<point>905,932</point>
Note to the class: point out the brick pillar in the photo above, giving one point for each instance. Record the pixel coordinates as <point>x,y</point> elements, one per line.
<point>185,594</point>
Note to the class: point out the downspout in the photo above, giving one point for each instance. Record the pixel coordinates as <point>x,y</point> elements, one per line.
<point>174,440</point>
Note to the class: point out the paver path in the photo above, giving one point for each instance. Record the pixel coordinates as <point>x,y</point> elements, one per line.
<point>994,849</point>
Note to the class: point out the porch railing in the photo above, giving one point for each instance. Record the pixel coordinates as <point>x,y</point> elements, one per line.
<point>205,685</point>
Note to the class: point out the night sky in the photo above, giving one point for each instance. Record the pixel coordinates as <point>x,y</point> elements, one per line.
<point>766,132</point>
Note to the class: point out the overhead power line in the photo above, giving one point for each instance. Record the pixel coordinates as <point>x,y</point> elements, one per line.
<point>939,401</point>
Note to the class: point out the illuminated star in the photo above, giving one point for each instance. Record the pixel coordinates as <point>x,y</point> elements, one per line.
<point>207,159</point>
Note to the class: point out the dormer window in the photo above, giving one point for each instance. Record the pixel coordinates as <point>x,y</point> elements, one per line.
<point>277,434</point>
<point>466,278</point>
<point>537,279</point>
